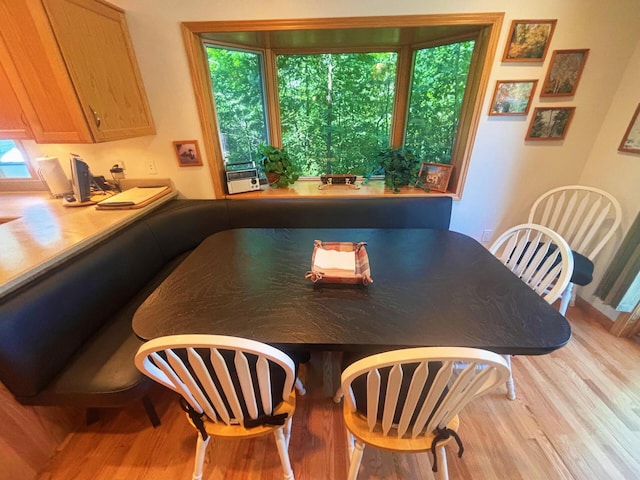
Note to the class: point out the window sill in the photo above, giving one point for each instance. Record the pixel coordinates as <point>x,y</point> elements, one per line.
<point>309,188</point>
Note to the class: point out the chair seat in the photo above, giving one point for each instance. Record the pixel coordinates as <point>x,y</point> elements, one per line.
<point>221,429</point>
<point>356,423</point>
<point>582,270</point>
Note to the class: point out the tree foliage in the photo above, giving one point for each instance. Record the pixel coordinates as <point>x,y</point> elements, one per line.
<point>336,110</point>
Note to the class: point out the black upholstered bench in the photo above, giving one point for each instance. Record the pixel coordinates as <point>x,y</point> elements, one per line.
<point>66,337</point>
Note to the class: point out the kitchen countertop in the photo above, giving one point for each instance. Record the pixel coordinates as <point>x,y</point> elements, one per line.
<point>37,232</point>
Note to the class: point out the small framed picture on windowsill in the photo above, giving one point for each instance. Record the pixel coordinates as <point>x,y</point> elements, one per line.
<point>187,153</point>
<point>435,176</point>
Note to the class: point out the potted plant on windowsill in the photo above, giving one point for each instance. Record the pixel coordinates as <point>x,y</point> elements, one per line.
<point>401,168</point>
<point>277,166</point>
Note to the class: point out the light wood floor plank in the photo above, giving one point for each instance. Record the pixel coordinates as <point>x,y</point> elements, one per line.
<point>577,417</point>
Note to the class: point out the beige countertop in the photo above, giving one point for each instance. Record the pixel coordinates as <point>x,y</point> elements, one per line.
<point>37,232</point>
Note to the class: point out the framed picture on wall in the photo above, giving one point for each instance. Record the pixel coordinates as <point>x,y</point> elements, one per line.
<point>631,141</point>
<point>187,153</point>
<point>550,123</point>
<point>565,70</point>
<point>512,97</point>
<point>529,40</point>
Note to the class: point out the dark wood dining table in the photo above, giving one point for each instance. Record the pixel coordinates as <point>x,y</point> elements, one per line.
<point>430,288</point>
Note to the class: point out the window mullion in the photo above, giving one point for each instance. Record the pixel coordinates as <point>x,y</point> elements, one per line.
<point>272,99</point>
<point>403,89</point>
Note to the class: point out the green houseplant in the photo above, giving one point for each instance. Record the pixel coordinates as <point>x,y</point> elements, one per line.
<point>277,166</point>
<point>401,168</point>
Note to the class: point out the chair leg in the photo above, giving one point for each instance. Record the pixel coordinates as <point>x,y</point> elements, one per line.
<point>355,459</point>
<point>201,449</point>
<point>300,387</point>
<point>281,443</point>
<point>443,469</point>
<point>151,411</point>
<point>511,387</point>
<point>574,293</point>
<point>337,397</point>
<point>565,299</point>
<point>287,431</point>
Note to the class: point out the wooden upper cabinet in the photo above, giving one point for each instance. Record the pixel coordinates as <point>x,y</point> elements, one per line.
<point>76,75</point>
<point>13,125</point>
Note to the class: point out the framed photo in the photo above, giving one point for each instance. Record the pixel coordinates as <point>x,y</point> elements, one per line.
<point>550,123</point>
<point>564,73</point>
<point>631,140</point>
<point>435,175</point>
<point>512,97</point>
<point>528,40</point>
<point>188,153</point>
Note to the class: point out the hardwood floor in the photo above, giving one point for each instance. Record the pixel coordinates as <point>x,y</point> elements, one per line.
<point>577,416</point>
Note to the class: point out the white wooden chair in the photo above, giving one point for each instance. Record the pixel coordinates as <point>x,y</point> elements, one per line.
<point>409,400</point>
<point>586,218</point>
<point>541,258</point>
<point>230,387</point>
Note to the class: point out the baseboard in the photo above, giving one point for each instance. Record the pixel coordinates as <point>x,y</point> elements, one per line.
<point>594,313</point>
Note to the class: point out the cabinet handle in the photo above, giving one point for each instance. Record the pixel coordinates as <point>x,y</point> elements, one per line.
<point>96,117</point>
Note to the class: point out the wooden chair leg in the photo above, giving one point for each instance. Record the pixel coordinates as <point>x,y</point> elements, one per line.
<point>565,299</point>
<point>281,443</point>
<point>151,411</point>
<point>337,397</point>
<point>201,449</point>
<point>511,387</point>
<point>300,390</point>
<point>354,461</point>
<point>443,469</point>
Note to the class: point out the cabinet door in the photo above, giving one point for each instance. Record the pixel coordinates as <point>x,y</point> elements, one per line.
<point>38,74</point>
<point>12,123</point>
<point>94,41</point>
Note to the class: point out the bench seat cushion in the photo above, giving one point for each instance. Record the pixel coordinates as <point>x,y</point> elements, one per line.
<point>102,373</point>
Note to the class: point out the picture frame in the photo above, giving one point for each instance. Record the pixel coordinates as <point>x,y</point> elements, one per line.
<point>435,176</point>
<point>512,97</point>
<point>188,153</point>
<point>564,72</point>
<point>550,123</point>
<point>528,40</point>
<point>631,140</point>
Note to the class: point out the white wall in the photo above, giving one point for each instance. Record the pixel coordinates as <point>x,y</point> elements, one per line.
<point>506,173</point>
<point>613,171</point>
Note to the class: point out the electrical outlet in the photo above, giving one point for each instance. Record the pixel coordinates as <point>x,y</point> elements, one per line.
<point>151,167</point>
<point>486,235</point>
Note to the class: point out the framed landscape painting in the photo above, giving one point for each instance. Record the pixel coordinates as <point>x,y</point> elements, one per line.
<point>529,40</point>
<point>512,97</point>
<point>564,73</point>
<point>550,123</point>
<point>631,141</point>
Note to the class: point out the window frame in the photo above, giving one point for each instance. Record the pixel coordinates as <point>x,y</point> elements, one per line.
<point>487,29</point>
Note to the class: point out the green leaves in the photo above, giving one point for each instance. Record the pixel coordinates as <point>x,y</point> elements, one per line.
<point>277,161</point>
<point>400,168</point>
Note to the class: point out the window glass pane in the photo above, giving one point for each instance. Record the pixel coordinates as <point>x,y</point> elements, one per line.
<point>336,109</point>
<point>437,90</point>
<point>239,99</point>
<point>12,163</point>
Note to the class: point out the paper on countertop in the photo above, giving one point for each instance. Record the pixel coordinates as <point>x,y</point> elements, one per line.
<point>333,259</point>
